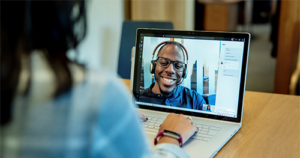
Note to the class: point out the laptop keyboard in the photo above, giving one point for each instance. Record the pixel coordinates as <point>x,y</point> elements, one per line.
<point>206,132</point>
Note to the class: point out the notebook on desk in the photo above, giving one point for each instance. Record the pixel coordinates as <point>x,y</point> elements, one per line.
<point>199,74</point>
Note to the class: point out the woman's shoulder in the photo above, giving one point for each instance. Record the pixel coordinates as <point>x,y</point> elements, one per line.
<point>101,83</point>
<point>101,77</point>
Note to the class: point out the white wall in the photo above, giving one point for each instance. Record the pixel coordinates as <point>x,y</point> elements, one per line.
<point>204,51</point>
<point>100,48</point>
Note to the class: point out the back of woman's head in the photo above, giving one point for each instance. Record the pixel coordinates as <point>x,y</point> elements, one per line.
<point>51,26</point>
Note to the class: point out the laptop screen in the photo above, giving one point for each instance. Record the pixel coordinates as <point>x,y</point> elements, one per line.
<point>198,74</point>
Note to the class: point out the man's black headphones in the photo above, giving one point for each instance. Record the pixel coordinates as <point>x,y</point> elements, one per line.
<point>153,64</point>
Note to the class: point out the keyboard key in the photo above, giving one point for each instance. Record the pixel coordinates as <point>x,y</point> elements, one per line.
<point>205,126</point>
<point>206,139</point>
<point>151,130</point>
<point>154,119</point>
<point>199,138</point>
<point>203,132</point>
<point>156,128</point>
<point>212,132</point>
<point>214,128</point>
<point>157,124</point>
<point>205,129</point>
<point>150,127</point>
<point>145,126</point>
<point>203,135</point>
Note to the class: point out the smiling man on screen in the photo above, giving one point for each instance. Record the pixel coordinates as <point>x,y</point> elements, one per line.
<point>169,70</point>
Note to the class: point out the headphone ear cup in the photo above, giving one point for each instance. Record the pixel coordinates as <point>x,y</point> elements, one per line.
<point>152,67</point>
<point>184,74</point>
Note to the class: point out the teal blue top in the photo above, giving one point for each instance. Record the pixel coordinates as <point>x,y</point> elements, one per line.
<point>96,118</point>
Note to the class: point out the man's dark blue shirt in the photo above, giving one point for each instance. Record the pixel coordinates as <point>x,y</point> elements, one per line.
<point>180,97</point>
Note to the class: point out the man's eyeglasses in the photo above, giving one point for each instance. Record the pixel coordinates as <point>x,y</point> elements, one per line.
<point>165,62</point>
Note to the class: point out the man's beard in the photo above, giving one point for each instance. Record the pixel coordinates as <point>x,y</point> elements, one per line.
<point>164,93</point>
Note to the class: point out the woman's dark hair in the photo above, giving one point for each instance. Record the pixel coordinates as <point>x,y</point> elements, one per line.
<point>51,26</point>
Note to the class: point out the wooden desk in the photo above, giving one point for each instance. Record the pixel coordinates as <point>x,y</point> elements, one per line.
<point>270,127</point>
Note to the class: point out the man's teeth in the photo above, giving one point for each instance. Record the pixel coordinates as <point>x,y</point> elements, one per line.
<point>168,80</point>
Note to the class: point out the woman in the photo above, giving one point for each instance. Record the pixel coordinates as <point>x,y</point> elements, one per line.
<point>208,108</point>
<point>54,107</point>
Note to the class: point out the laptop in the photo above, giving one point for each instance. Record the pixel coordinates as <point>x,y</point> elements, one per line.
<point>210,83</point>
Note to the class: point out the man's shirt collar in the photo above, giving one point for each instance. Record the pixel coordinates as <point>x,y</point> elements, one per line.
<point>170,95</point>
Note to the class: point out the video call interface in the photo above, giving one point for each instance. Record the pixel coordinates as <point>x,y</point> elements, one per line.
<point>213,77</point>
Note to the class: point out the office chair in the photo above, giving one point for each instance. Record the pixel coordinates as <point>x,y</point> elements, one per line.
<point>128,41</point>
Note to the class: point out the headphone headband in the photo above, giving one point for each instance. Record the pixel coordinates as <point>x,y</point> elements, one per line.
<point>153,64</point>
<point>186,53</point>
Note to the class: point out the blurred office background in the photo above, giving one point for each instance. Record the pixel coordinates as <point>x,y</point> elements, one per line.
<point>274,25</point>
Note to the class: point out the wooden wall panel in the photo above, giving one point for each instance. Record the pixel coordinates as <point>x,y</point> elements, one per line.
<point>288,44</point>
<point>160,10</point>
<point>216,17</point>
<point>220,15</point>
<point>127,9</point>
